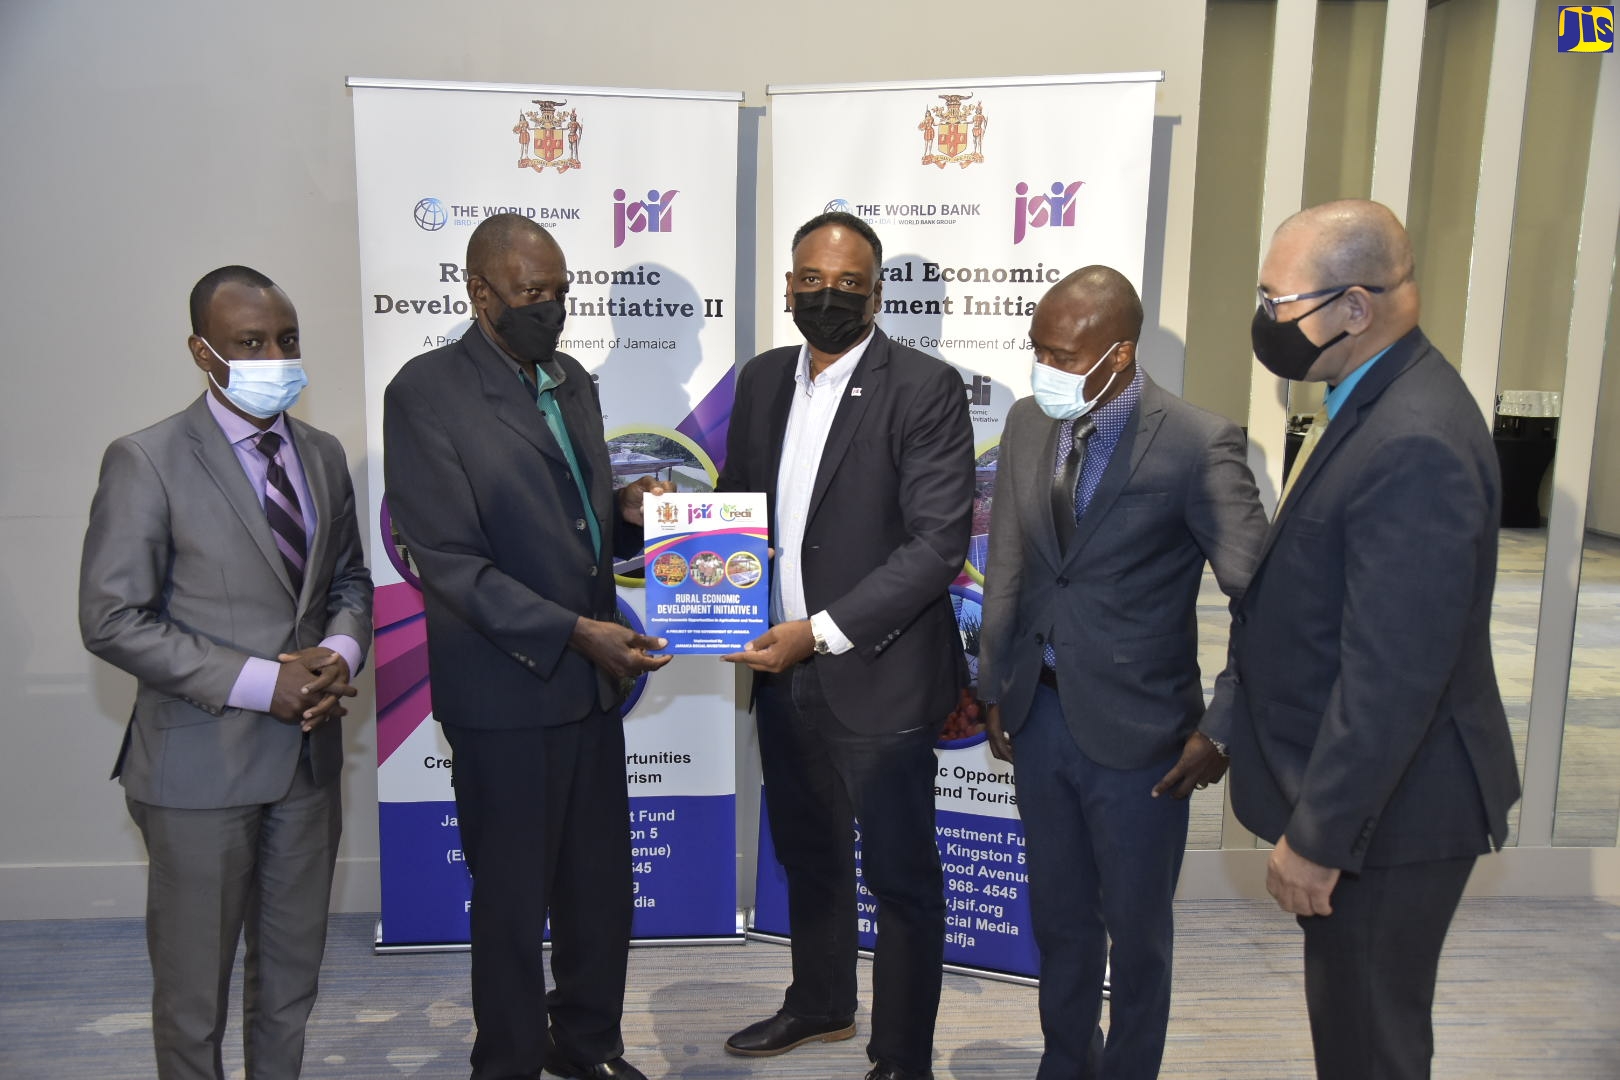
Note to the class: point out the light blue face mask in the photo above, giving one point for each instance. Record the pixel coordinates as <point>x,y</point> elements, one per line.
<point>261,388</point>
<point>1062,395</point>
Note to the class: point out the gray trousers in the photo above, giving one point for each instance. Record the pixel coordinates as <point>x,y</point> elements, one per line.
<point>217,875</point>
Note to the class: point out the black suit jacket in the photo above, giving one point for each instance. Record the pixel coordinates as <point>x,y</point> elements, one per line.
<point>483,496</point>
<point>890,515</point>
<point>1373,731</point>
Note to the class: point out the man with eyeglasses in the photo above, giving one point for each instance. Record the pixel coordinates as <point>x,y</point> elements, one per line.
<point>1370,746</point>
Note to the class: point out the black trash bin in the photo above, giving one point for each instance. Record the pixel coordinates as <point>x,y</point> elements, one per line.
<point>1524,448</point>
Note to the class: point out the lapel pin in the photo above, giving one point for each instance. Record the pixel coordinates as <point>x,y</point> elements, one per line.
<point>854,391</point>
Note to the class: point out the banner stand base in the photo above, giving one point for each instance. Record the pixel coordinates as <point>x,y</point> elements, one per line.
<point>379,949</point>
<point>953,969</point>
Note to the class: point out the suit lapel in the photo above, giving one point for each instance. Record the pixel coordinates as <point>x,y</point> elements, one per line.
<point>217,458</point>
<point>1402,355</point>
<point>580,412</point>
<point>865,384</point>
<point>1043,441</point>
<point>507,396</point>
<point>320,494</point>
<point>1133,443</point>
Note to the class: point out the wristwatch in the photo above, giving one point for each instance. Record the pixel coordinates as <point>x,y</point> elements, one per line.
<point>1220,747</point>
<point>822,648</point>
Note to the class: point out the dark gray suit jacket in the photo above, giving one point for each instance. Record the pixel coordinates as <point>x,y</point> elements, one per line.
<point>888,528</point>
<point>1372,730</point>
<point>181,582</point>
<point>1119,606</point>
<point>485,500</point>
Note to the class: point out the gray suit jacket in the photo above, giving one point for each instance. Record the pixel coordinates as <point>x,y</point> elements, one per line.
<point>181,582</point>
<point>1371,730</point>
<point>1120,605</point>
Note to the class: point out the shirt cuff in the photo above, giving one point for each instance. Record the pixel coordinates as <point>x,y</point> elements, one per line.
<point>255,686</point>
<point>346,647</point>
<point>822,625</point>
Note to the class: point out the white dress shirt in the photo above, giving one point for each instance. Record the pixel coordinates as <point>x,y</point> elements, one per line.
<point>815,403</point>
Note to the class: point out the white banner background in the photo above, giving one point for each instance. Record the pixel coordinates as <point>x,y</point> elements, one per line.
<point>984,195</point>
<point>640,189</point>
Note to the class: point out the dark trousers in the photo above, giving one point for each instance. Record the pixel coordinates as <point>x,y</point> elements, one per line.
<point>545,827</point>
<point>1370,969</point>
<point>262,872</point>
<point>819,776</point>
<point>1104,856</point>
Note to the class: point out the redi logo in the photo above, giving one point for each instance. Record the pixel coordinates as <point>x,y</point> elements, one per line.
<point>651,215</point>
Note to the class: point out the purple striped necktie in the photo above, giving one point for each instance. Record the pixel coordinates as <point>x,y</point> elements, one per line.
<point>281,507</point>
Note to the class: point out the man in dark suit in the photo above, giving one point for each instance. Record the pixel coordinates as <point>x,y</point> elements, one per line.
<point>865,450</point>
<point>1371,746</point>
<point>1111,496</point>
<point>499,481</point>
<point>222,568</point>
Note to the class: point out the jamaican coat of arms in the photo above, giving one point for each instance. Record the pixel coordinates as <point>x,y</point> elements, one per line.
<point>953,133</point>
<point>548,137</point>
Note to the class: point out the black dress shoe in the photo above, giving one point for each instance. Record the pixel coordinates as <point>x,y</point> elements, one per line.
<point>784,1031</point>
<point>884,1071</point>
<point>617,1069</point>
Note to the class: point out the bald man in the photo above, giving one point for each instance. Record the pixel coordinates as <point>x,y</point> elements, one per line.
<point>1371,746</point>
<point>499,482</point>
<point>1112,494</point>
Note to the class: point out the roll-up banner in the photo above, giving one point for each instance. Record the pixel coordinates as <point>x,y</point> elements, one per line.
<point>984,193</point>
<point>639,187</point>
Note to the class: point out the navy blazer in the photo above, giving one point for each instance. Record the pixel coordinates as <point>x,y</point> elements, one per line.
<point>890,515</point>
<point>1119,605</point>
<point>1372,730</point>
<point>483,496</point>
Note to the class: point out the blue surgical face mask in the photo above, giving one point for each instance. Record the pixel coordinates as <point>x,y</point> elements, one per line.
<point>1062,395</point>
<point>261,388</point>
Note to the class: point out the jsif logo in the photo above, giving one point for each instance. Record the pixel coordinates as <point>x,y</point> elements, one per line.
<point>699,512</point>
<point>1587,29</point>
<point>650,215</point>
<point>1056,210</point>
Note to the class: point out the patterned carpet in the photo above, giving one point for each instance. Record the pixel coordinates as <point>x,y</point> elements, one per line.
<point>1528,988</point>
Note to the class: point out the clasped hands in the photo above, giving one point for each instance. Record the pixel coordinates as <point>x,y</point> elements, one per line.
<point>310,687</point>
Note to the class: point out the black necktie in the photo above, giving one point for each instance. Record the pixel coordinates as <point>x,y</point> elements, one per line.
<point>1066,479</point>
<point>282,509</point>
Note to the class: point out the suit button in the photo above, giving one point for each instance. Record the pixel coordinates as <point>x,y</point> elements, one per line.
<point>592,571</point>
<point>1063,583</point>
<point>579,524</point>
<point>1241,618</point>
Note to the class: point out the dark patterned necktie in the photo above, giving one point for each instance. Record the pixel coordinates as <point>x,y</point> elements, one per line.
<point>281,508</point>
<point>1067,478</point>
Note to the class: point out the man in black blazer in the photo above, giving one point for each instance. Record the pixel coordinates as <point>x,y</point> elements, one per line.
<point>865,450</point>
<point>499,482</point>
<point>1112,494</point>
<point>1371,746</point>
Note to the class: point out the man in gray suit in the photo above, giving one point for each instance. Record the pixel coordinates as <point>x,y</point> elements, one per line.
<point>1112,495</point>
<point>222,568</point>
<point>1371,745</point>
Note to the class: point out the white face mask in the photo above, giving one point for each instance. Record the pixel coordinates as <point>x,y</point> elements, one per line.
<point>1062,395</point>
<point>261,388</point>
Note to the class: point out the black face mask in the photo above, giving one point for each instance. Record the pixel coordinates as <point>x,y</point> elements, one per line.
<point>1282,347</point>
<point>530,331</point>
<point>830,320</point>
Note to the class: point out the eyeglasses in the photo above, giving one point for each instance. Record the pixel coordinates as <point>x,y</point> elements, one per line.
<point>1269,303</point>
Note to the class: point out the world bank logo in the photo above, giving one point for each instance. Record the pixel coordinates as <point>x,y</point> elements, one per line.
<point>839,206</point>
<point>430,215</point>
